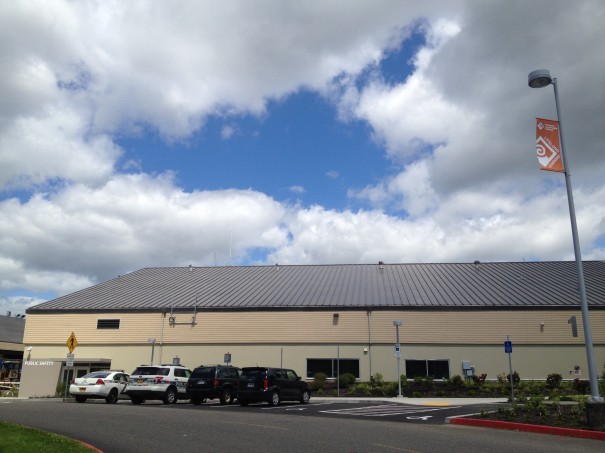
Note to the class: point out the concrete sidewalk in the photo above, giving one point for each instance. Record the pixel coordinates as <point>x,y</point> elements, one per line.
<point>441,402</point>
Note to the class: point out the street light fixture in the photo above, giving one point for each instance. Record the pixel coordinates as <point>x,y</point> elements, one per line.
<point>541,78</point>
<point>398,355</point>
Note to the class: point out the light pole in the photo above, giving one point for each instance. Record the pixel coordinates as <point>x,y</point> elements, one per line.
<point>398,355</point>
<point>541,78</point>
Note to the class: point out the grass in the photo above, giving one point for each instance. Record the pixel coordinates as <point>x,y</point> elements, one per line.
<point>20,439</point>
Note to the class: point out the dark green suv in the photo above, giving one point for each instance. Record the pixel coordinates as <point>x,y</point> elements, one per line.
<point>213,381</point>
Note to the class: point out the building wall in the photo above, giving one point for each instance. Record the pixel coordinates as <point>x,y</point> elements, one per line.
<point>419,327</point>
<point>530,361</point>
<point>542,340</point>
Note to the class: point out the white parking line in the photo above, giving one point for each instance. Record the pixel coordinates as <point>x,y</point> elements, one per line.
<point>384,410</point>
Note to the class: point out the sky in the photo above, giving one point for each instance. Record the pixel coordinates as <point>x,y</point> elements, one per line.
<point>209,133</point>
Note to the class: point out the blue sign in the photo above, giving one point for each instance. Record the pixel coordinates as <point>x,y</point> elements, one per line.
<point>508,346</point>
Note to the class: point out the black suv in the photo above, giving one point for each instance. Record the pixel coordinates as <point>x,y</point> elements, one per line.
<point>214,381</point>
<point>272,385</point>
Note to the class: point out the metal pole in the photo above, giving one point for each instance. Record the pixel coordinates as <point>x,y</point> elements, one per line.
<point>338,370</point>
<point>592,371</point>
<point>510,373</point>
<point>397,324</point>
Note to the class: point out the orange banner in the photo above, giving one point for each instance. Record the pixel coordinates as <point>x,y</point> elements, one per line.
<point>547,145</point>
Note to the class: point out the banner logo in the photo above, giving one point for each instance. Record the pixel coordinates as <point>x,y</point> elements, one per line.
<point>548,148</point>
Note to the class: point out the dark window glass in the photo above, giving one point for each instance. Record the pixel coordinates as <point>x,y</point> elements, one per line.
<point>438,369</point>
<point>332,367</point>
<point>206,372</point>
<point>146,370</point>
<point>97,374</point>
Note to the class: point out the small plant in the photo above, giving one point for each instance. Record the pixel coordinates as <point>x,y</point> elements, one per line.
<point>404,381</point>
<point>479,379</point>
<point>553,380</point>
<point>455,381</point>
<point>346,380</point>
<point>319,381</point>
<point>516,378</point>
<point>580,386</point>
<point>364,388</point>
<point>378,379</point>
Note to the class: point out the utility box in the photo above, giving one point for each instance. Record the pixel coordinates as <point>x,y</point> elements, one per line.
<point>468,369</point>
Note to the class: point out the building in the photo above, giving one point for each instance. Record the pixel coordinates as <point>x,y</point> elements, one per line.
<point>11,336</point>
<point>11,346</point>
<point>330,318</point>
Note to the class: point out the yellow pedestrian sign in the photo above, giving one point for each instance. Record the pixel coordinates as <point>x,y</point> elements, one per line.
<point>72,343</point>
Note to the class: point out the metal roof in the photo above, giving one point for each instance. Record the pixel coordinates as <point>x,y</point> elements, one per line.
<point>518,285</point>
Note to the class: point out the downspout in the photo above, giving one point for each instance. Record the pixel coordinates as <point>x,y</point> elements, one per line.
<point>370,340</point>
<point>162,333</point>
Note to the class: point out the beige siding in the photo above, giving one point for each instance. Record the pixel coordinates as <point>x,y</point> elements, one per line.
<point>531,361</point>
<point>426,327</point>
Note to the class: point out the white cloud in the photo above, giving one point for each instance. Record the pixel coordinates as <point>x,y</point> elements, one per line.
<point>297,189</point>
<point>227,132</point>
<point>131,222</point>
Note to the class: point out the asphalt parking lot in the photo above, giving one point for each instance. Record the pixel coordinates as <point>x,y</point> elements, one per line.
<point>429,413</point>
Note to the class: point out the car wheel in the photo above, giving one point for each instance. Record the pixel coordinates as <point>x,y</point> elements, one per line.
<point>170,396</point>
<point>135,400</point>
<point>196,401</point>
<point>226,396</point>
<point>112,398</point>
<point>275,399</point>
<point>80,398</point>
<point>305,397</point>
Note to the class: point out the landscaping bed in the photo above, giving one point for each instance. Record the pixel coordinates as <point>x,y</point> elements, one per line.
<point>550,402</point>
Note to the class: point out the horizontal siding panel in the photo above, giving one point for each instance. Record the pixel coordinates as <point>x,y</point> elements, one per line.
<point>452,327</point>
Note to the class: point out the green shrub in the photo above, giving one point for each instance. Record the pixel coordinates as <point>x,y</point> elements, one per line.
<point>389,389</point>
<point>516,378</point>
<point>364,388</point>
<point>553,380</point>
<point>581,386</point>
<point>455,381</point>
<point>346,380</point>
<point>319,381</point>
<point>404,381</point>
<point>378,379</point>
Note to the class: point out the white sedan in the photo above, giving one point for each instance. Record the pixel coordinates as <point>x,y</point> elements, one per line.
<point>108,385</point>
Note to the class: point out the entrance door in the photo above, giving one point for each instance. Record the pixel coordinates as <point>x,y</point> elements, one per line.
<point>70,374</point>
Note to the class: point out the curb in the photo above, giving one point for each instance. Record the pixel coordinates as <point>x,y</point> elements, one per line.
<point>513,426</point>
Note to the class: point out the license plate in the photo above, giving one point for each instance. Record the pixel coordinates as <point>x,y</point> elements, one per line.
<point>250,384</point>
<point>201,382</point>
<point>82,389</point>
<point>140,381</point>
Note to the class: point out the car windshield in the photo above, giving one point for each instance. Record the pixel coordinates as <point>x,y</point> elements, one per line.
<point>97,374</point>
<point>205,372</point>
<point>147,370</point>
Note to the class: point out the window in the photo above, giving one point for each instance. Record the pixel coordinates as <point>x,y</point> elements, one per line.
<point>438,369</point>
<point>108,323</point>
<point>332,367</point>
